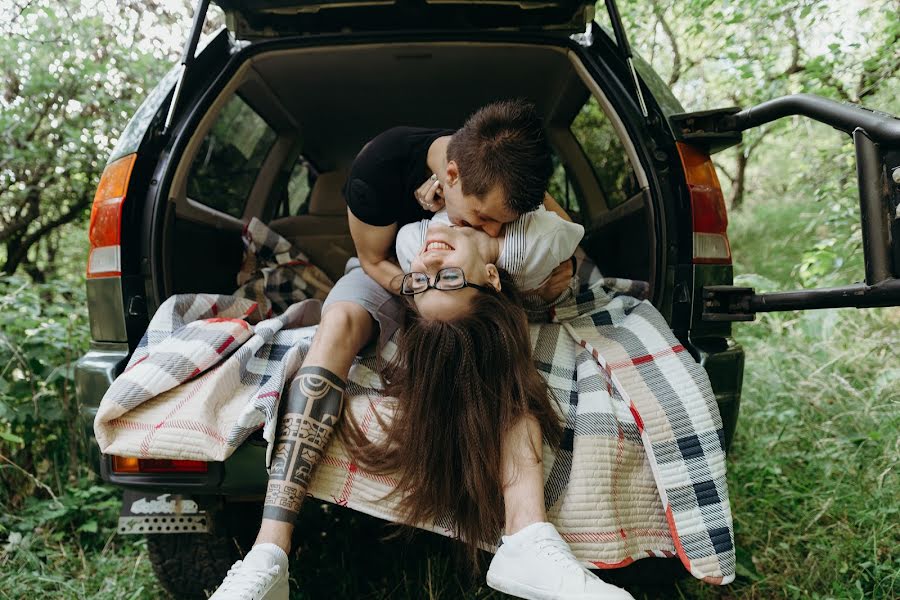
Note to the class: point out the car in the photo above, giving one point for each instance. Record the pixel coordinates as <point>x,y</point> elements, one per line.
<point>266,117</point>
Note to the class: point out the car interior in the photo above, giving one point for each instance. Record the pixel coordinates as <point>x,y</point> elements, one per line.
<point>278,140</point>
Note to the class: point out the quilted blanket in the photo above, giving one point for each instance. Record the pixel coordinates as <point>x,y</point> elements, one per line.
<point>640,472</point>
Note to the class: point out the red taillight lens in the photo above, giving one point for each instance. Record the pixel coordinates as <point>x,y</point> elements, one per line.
<point>707,207</point>
<point>104,259</point>
<point>129,464</point>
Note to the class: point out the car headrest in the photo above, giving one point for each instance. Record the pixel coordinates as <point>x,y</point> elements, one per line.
<point>327,198</point>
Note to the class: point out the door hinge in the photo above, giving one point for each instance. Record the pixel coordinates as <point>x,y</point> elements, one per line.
<point>727,303</point>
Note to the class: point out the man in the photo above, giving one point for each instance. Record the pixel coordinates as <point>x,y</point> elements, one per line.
<point>493,169</point>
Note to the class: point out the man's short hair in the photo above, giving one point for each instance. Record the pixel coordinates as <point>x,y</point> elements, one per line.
<point>504,144</point>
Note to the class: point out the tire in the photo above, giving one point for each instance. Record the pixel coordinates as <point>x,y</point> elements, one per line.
<point>193,565</point>
<point>189,564</point>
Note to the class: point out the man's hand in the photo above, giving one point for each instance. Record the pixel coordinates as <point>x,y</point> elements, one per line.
<point>557,282</point>
<point>430,195</point>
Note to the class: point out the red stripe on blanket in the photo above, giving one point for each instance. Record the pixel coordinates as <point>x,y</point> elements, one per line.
<point>352,469</point>
<point>214,308</point>
<point>225,344</point>
<point>136,363</point>
<point>240,322</point>
<point>129,424</point>
<point>347,465</point>
<point>613,536</point>
<point>191,425</point>
<point>269,395</point>
<point>639,360</point>
<point>624,563</point>
<point>620,450</point>
<point>196,386</point>
<point>637,417</point>
<point>679,549</point>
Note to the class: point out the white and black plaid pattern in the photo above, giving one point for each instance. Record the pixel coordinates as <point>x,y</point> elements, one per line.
<point>275,274</point>
<point>640,471</point>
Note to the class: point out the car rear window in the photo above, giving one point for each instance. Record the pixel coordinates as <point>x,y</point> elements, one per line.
<point>603,148</point>
<point>564,190</point>
<point>229,158</point>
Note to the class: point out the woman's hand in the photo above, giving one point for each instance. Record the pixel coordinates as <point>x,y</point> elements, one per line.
<point>430,195</point>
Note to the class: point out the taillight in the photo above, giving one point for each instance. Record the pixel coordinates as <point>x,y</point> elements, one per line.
<point>707,206</point>
<point>129,464</point>
<point>105,259</point>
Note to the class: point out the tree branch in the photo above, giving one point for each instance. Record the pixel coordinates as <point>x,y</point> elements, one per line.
<point>720,167</point>
<point>795,66</point>
<point>676,55</point>
<point>16,257</point>
<point>762,134</point>
<point>868,81</point>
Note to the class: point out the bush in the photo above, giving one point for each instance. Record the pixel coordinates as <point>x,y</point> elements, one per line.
<point>43,331</point>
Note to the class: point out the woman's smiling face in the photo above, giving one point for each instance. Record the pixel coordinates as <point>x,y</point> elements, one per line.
<point>462,247</point>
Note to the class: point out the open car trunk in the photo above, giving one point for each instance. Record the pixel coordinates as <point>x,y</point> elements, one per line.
<point>251,19</point>
<point>278,139</point>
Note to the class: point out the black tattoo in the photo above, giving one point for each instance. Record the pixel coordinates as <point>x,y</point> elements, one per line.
<point>311,411</point>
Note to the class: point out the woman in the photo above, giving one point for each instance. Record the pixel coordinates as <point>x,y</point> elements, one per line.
<point>468,394</point>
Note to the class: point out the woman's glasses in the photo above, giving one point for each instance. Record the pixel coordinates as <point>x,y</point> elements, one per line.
<point>448,278</point>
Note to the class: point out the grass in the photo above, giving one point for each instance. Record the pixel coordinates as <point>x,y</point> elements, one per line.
<point>812,475</point>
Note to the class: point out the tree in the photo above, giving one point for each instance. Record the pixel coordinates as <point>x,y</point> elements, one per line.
<point>742,53</point>
<point>73,74</point>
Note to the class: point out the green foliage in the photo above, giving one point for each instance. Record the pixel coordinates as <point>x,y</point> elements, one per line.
<point>812,473</point>
<point>68,548</point>
<point>73,74</point>
<point>43,331</point>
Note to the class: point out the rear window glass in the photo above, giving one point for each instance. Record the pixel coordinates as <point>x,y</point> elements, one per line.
<point>227,163</point>
<point>299,188</point>
<point>564,190</point>
<point>603,148</point>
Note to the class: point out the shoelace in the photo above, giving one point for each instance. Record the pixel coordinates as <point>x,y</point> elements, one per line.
<point>249,581</point>
<point>559,552</point>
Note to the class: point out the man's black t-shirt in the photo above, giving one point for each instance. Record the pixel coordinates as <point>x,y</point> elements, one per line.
<point>385,175</point>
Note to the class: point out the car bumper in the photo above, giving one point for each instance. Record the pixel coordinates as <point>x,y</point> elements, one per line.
<point>244,473</point>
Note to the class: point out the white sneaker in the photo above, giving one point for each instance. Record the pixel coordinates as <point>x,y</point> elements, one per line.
<point>537,564</point>
<point>262,575</point>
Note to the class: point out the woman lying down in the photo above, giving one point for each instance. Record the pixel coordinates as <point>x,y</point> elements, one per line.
<point>472,412</point>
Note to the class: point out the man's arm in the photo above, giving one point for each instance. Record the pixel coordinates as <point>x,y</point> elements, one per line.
<point>553,206</point>
<point>559,279</point>
<point>375,249</point>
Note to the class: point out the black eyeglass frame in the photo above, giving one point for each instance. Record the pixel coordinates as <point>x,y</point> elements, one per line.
<point>437,277</point>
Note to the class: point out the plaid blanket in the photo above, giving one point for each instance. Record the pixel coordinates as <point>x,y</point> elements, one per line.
<point>275,273</point>
<point>640,472</point>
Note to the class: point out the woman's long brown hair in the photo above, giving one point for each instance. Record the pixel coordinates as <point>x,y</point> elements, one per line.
<point>461,385</point>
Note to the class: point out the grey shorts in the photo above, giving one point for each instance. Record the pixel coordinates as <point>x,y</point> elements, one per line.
<point>357,287</point>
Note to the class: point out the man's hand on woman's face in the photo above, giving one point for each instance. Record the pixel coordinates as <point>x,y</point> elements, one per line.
<point>430,195</point>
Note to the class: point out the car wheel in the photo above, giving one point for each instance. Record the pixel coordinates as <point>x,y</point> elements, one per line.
<point>189,564</point>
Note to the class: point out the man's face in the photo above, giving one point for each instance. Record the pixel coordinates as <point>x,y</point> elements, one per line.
<point>488,213</point>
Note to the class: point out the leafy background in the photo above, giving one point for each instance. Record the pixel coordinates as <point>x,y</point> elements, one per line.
<point>813,470</point>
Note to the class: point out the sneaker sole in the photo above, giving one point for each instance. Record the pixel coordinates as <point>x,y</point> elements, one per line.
<point>522,590</point>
